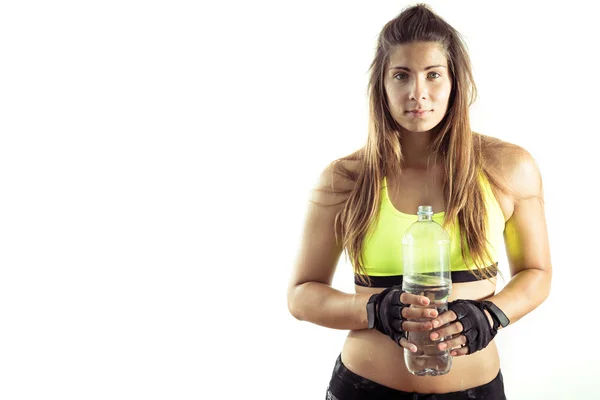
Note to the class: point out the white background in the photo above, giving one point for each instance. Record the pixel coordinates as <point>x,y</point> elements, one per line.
<point>155,164</point>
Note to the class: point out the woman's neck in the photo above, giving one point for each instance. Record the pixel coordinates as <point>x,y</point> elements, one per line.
<point>416,149</point>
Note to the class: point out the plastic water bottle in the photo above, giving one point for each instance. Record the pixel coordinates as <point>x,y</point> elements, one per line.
<point>426,256</point>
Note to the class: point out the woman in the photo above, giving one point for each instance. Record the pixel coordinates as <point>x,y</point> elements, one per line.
<point>421,150</point>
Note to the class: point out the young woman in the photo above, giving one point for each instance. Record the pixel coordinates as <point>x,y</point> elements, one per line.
<point>487,193</point>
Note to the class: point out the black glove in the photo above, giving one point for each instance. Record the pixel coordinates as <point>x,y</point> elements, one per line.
<point>384,311</point>
<point>476,326</point>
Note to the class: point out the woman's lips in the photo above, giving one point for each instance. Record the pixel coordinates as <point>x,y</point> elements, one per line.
<point>418,114</point>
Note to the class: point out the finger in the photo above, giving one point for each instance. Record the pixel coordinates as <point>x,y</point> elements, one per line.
<point>413,326</point>
<point>408,345</point>
<point>444,318</point>
<point>415,312</point>
<point>446,331</point>
<point>453,343</point>
<point>408,298</point>
<point>461,351</point>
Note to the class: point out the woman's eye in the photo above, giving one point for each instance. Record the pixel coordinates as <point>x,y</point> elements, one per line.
<point>403,76</point>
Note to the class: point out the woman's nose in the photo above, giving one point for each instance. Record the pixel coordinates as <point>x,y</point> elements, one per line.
<point>418,90</point>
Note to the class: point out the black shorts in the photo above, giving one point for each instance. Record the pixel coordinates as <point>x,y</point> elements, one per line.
<point>346,385</point>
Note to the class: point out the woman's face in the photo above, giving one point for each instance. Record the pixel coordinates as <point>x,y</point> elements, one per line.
<point>418,84</point>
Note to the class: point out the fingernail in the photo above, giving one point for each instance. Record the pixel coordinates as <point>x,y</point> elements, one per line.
<point>432,313</point>
<point>435,336</point>
<point>413,349</point>
<point>453,353</point>
<point>435,324</point>
<point>443,346</point>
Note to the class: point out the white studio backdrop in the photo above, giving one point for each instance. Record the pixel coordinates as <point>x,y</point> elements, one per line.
<point>155,163</point>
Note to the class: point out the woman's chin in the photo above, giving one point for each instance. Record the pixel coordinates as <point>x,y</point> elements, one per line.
<point>417,128</point>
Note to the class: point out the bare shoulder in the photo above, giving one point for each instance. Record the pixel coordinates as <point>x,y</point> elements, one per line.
<point>338,178</point>
<point>516,165</point>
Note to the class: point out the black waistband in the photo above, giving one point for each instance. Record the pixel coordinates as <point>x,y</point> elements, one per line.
<point>346,384</point>
<point>392,280</point>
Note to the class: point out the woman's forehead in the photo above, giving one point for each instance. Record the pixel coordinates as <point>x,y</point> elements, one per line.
<point>418,55</point>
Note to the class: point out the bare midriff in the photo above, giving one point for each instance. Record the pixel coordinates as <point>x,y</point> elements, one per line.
<point>376,357</point>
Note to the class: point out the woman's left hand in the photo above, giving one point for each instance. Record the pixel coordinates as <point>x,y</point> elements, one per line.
<point>466,328</point>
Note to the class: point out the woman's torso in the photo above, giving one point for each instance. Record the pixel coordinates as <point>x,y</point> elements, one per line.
<point>375,356</point>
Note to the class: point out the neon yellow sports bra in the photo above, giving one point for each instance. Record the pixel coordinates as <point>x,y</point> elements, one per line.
<point>382,248</point>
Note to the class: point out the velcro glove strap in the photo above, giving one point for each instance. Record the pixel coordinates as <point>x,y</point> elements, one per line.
<point>498,316</point>
<point>476,326</point>
<point>384,312</point>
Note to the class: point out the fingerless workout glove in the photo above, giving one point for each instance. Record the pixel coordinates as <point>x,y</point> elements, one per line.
<point>384,311</point>
<point>476,326</point>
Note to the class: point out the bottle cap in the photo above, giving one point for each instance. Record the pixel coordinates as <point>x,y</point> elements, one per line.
<point>425,210</point>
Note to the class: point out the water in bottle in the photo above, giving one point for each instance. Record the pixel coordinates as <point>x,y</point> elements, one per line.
<point>426,256</point>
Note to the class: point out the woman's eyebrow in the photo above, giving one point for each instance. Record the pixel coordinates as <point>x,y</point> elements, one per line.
<point>426,68</point>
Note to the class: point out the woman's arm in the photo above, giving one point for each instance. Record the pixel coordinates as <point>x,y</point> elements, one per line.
<point>319,303</point>
<point>528,254</point>
<point>310,295</point>
<point>526,239</point>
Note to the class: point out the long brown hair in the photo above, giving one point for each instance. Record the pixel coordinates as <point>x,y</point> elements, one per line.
<point>456,145</point>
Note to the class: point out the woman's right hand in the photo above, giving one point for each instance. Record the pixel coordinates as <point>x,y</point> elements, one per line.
<point>394,317</point>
